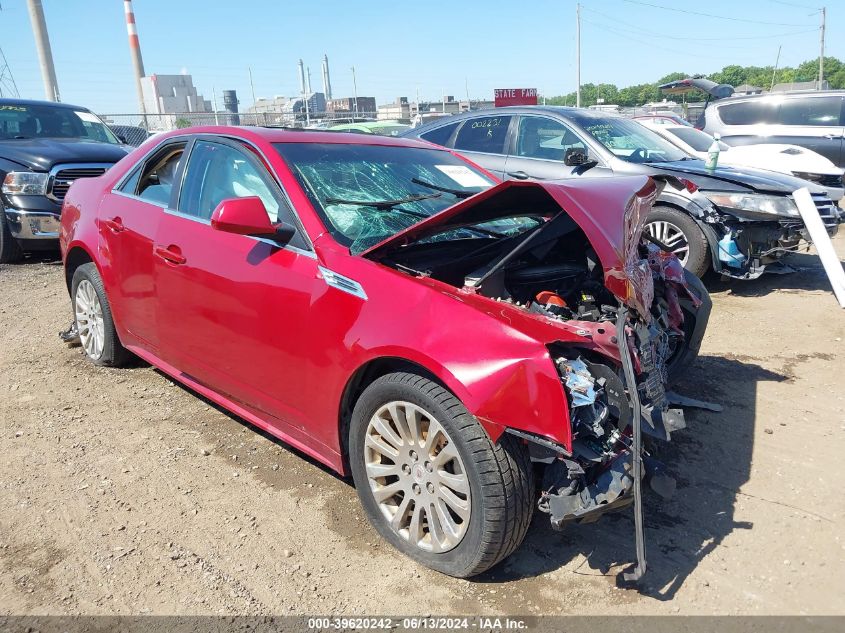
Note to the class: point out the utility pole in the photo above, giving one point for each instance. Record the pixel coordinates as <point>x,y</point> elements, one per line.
<point>252,87</point>
<point>821,51</point>
<point>214,100</point>
<point>466,87</point>
<point>355,91</point>
<point>775,71</point>
<point>578,54</point>
<point>45,54</point>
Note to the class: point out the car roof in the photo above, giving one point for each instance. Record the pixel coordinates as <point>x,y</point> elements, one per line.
<point>562,111</point>
<point>786,93</point>
<point>34,102</point>
<point>300,135</point>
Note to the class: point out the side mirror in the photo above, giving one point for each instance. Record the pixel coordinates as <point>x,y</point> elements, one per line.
<point>248,216</point>
<point>575,157</point>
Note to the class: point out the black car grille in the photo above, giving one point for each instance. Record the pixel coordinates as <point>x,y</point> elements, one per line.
<point>830,180</point>
<point>825,180</point>
<point>827,211</point>
<point>62,177</point>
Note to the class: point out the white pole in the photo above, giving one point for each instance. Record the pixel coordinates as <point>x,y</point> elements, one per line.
<point>214,99</point>
<point>821,52</point>
<point>355,90</point>
<point>578,54</point>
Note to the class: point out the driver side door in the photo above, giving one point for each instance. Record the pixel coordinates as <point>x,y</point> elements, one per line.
<point>539,149</point>
<point>233,310</point>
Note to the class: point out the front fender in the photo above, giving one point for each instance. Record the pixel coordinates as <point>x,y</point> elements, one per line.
<point>514,390</point>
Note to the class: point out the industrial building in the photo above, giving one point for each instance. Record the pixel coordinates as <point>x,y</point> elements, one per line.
<point>172,94</point>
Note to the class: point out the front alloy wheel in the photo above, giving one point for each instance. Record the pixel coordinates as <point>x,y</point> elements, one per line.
<point>670,235</point>
<point>432,482</point>
<point>417,477</point>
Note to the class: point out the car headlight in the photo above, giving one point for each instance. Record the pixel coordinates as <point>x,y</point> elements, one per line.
<point>26,183</point>
<point>753,202</point>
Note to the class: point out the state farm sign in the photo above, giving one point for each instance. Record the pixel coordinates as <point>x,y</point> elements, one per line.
<point>515,96</point>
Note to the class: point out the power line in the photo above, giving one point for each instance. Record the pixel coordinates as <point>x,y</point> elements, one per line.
<point>699,39</point>
<point>709,15</point>
<point>797,6</point>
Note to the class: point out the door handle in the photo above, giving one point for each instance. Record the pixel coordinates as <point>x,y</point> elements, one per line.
<point>832,136</point>
<point>169,255</point>
<point>519,175</point>
<point>115,225</point>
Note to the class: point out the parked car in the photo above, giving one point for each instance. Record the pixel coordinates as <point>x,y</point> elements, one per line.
<point>738,222</point>
<point>814,120</point>
<point>44,147</point>
<point>662,118</point>
<point>384,128</point>
<point>389,309</point>
<point>132,135</point>
<point>785,159</point>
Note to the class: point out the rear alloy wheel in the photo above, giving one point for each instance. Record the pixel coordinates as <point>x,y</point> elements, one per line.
<point>431,481</point>
<point>94,321</point>
<point>677,230</point>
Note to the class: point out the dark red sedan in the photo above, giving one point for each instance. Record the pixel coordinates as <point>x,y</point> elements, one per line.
<point>393,311</point>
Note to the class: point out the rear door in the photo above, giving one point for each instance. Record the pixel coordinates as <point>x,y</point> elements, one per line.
<point>814,122</point>
<point>233,309</point>
<point>484,140</point>
<point>539,148</point>
<point>128,222</point>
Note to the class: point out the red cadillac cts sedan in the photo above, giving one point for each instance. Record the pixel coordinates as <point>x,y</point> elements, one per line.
<point>393,311</point>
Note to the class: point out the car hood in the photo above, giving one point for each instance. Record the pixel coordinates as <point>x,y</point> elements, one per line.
<point>746,179</point>
<point>41,154</point>
<point>780,157</point>
<point>611,212</point>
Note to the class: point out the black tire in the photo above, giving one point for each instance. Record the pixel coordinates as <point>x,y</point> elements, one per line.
<point>113,353</point>
<point>10,250</point>
<point>499,475</point>
<point>699,258</point>
<point>695,324</point>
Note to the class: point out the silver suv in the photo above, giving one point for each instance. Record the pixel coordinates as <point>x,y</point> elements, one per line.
<point>815,120</point>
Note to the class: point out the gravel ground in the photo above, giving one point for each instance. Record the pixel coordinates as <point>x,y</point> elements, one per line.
<point>121,492</point>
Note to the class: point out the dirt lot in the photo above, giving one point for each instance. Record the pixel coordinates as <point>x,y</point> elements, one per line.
<point>121,492</point>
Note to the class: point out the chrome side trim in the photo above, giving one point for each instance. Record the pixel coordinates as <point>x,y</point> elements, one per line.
<point>340,282</point>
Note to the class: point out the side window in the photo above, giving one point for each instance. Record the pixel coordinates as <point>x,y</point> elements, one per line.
<point>441,135</point>
<point>541,137</point>
<point>153,182</point>
<point>749,113</point>
<point>811,111</point>
<point>485,134</point>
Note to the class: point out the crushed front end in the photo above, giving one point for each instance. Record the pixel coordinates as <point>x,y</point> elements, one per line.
<point>752,234</point>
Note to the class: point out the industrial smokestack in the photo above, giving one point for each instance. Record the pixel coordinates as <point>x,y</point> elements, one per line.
<point>327,82</point>
<point>308,80</point>
<point>301,77</point>
<point>45,54</point>
<point>135,51</point>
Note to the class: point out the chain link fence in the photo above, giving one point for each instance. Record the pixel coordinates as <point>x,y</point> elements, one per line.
<point>134,129</point>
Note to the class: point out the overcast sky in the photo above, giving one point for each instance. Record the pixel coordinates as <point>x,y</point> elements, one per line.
<point>434,46</point>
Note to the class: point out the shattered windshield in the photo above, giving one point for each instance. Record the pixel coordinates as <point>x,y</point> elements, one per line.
<point>366,193</point>
<point>629,140</point>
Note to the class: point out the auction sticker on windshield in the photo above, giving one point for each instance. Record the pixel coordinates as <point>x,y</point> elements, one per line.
<point>87,116</point>
<point>464,176</point>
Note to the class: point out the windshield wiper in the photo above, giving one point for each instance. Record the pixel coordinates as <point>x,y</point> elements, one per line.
<point>383,205</point>
<point>460,194</point>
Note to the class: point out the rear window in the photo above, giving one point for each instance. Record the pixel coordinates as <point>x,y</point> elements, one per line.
<point>441,135</point>
<point>485,134</point>
<point>749,113</point>
<point>811,111</point>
